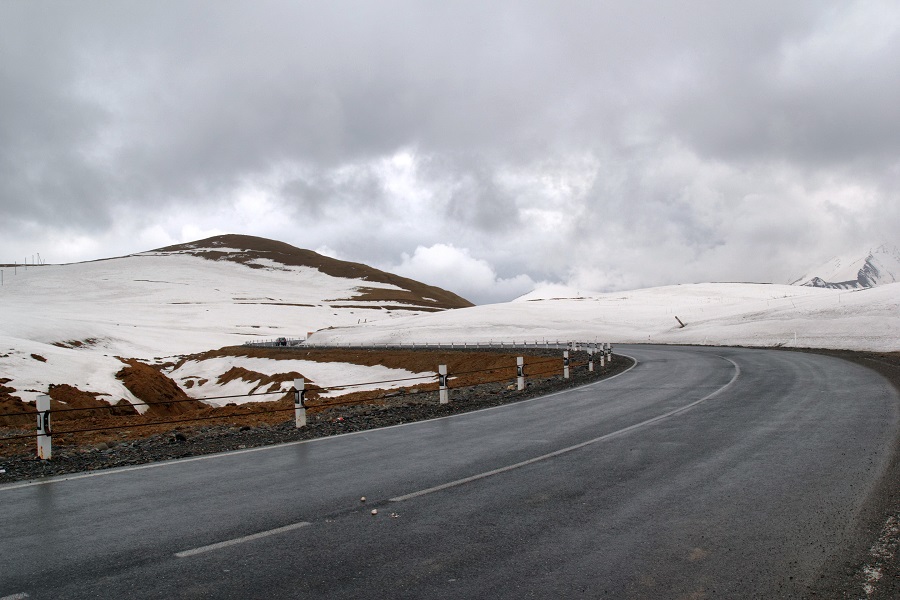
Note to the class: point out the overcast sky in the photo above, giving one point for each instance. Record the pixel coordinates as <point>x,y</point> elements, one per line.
<point>481,146</point>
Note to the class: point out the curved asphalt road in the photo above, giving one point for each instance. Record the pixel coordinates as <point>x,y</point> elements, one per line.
<point>702,472</point>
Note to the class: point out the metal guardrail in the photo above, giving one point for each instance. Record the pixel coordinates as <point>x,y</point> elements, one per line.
<point>545,344</point>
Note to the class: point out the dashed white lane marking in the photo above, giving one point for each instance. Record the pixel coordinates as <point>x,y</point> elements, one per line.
<point>465,480</point>
<point>240,540</point>
<point>19,596</point>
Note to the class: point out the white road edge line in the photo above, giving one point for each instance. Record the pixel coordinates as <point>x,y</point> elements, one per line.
<point>630,428</point>
<point>20,596</point>
<point>181,461</point>
<point>240,540</point>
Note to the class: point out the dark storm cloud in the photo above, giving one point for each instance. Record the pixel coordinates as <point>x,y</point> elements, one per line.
<point>313,194</point>
<point>43,173</point>
<point>671,128</point>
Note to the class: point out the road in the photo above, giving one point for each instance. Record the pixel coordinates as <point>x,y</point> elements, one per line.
<point>701,472</point>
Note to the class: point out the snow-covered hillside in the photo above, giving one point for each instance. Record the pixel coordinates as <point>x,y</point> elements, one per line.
<point>713,313</point>
<point>170,302</point>
<point>868,267</point>
<point>68,323</point>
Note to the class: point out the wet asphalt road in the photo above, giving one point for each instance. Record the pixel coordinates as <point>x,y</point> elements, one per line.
<point>701,472</point>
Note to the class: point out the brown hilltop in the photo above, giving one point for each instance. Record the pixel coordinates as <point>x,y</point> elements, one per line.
<point>252,247</point>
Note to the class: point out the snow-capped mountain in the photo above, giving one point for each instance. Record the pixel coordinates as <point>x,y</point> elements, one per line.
<point>867,268</point>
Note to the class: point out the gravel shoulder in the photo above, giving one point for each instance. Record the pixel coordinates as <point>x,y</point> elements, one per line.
<point>870,570</point>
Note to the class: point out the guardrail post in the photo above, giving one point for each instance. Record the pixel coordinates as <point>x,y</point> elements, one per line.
<point>442,381</point>
<point>566,364</point>
<point>44,444</point>
<point>300,402</point>
<point>520,373</point>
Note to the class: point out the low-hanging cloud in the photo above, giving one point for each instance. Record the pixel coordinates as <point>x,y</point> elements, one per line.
<point>455,268</point>
<point>602,145</point>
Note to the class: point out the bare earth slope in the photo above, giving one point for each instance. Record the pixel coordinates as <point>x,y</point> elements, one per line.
<point>256,248</point>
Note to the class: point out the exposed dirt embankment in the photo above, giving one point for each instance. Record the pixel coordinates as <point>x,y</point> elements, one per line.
<point>11,406</point>
<point>161,394</point>
<point>68,402</point>
<point>483,379</point>
<point>466,367</point>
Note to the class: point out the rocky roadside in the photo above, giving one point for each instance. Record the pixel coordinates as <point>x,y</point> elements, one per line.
<point>873,569</point>
<point>187,441</point>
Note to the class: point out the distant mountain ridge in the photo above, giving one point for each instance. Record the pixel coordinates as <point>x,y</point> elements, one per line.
<point>879,265</point>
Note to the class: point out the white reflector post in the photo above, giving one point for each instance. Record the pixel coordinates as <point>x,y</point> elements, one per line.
<point>590,359</point>
<point>442,379</point>
<point>44,445</point>
<point>566,364</point>
<point>300,402</point>
<point>520,373</point>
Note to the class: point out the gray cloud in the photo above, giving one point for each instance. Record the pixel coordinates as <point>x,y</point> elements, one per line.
<point>535,138</point>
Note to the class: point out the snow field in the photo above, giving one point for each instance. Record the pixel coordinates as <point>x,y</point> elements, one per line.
<point>144,306</point>
<point>89,371</point>
<point>715,314</point>
<point>321,374</point>
<point>154,307</point>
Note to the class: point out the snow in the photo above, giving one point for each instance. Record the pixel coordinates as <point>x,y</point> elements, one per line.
<point>88,371</point>
<point>550,292</point>
<point>153,306</point>
<point>352,378</point>
<point>715,314</point>
<point>156,306</point>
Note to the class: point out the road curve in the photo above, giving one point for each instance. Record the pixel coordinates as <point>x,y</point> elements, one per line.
<point>701,472</point>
